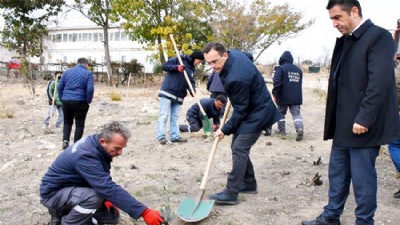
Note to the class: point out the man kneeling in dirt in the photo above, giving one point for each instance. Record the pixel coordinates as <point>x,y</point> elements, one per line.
<point>78,188</point>
<point>212,107</point>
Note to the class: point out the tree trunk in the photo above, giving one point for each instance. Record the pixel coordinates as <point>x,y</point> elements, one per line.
<point>107,54</point>
<point>160,50</point>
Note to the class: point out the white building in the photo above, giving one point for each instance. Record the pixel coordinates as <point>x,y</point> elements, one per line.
<point>67,44</point>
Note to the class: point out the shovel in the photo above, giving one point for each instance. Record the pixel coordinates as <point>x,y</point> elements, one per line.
<point>206,122</point>
<point>48,131</point>
<point>195,210</point>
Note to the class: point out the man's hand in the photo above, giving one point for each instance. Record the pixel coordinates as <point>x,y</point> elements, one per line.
<point>359,129</point>
<point>110,207</point>
<point>181,68</point>
<point>219,134</point>
<point>152,217</point>
<point>215,127</point>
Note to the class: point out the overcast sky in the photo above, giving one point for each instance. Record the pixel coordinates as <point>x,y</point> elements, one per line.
<point>319,39</point>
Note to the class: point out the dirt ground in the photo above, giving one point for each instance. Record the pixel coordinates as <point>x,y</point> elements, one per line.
<point>160,176</point>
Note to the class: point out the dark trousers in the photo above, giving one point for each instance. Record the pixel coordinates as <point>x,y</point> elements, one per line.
<point>194,125</point>
<point>80,206</point>
<point>356,166</point>
<point>74,110</point>
<point>242,167</point>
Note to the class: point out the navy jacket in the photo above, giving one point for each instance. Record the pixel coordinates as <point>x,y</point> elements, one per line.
<point>214,83</point>
<point>76,85</point>
<point>209,109</point>
<point>254,110</point>
<point>175,86</point>
<point>87,164</point>
<point>363,91</point>
<point>288,79</point>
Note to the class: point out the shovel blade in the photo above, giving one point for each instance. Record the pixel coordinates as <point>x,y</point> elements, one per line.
<point>192,211</point>
<point>207,128</point>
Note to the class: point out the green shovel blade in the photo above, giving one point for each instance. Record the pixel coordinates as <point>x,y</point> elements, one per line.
<point>206,125</point>
<point>192,211</point>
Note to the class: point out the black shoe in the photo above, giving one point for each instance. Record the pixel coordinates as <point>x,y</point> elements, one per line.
<point>300,135</point>
<point>397,194</point>
<point>180,139</point>
<point>320,221</point>
<point>163,141</point>
<point>283,133</point>
<point>247,189</point>
<point>267,132</point>
<point>65,144</point>
<point>55,218</point>
<point>224,198</point>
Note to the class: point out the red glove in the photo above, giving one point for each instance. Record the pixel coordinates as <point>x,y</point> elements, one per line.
<point>152,217</point>
<point>110,207</point>
<point>214,127</point>
<point>181,68</point>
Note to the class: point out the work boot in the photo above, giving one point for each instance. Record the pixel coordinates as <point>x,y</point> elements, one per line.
<point>224,198</point>
<point>320,221</point>
<point>55,219</point>
<point>397,194</point>
<point>267,132</point>
<point>163,141</point>
<point>300,135</point>
<point>283,133</point>
<point>247,189</point>
<point>65,144</point>
<point>180,139</point>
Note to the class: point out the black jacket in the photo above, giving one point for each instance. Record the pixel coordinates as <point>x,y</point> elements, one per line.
<point>209,108</point>
<point>288,79</point>
<point>364,90</point>
<point>254,110</point>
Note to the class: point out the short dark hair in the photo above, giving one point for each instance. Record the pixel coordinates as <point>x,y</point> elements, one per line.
<point>345,5</point>
<point>83,61</point>
<point>221,98</point>
<point>216,46</point>
<point>57,72</point>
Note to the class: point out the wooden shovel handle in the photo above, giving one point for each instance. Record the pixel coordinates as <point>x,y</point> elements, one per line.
<point>214,149</point>
<point>186,76</point>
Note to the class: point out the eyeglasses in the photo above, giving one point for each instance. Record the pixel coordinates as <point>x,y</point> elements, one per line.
<point>215,61</point>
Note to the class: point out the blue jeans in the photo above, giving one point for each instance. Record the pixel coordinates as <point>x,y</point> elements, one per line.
<point>356,166</point>
<point>173,108</point>
<point>52,110</point>
<point>394,150</point>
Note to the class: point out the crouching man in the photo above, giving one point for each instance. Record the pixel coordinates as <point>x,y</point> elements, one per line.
<point>78,189</point>
<point>212,107</point>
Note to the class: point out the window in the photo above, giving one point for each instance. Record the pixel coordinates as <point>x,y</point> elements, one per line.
<point>84,37</point>
<point>73,37</point>
<point>79,37</point>
<point>124,37</point>
<point>101,37</point>
<point>116,36</point>
<point>65,37</point>
<point>123,58</point>
<point>65,59</point>
<point>96,37</point>
<point>110,36</point>
<point>89,36</point>
<point>57,38</point>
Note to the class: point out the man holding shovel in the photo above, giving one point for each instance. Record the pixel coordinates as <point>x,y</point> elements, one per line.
<point>253,112</point>
<point>212,107</point>
<point>173,91</point>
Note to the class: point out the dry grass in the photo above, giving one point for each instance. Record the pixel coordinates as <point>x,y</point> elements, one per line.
<point>6,112</point>
<point>115,96</point>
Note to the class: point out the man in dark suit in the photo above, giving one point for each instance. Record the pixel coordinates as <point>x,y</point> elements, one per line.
<point>361,111</point>
<point>253,112</point>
